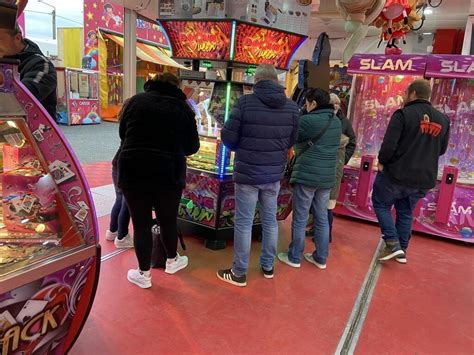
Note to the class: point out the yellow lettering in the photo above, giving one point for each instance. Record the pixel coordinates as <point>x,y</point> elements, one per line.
<point>12,334</point>
<point>404,66</point>
<point>49,319</point>
<point>388,65</point>
<point>365,64</point>
<point>25,336</point>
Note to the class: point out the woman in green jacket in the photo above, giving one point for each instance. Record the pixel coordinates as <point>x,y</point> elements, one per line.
<point>313,177</point>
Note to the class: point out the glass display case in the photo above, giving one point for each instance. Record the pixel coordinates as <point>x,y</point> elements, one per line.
<point>34,222</point>
<point>455,97</point>
<point>49,251</point>
<point>208,99</point>
<point>374,99</point>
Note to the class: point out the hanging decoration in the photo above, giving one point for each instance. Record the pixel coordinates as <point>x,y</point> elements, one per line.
<point>394,18</point>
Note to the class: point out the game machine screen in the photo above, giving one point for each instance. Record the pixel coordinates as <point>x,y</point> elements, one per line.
<point>224,55</point>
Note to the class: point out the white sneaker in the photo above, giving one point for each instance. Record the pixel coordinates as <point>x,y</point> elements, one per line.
<point>283,257</point>
<point>110,236</point>
<point>176,264</point>
<point>309,258</point>
<point>124,243</point>
<point>140,278</point>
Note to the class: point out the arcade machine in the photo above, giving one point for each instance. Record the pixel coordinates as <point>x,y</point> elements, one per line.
<point>230,50</point>
<point>78,96</point>
<point>377,91</point>
<point>447,210</point>
<point>49,252</point>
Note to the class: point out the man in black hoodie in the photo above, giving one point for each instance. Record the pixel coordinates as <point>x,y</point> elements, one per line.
<point>37,73</point>
<point>416,137</point>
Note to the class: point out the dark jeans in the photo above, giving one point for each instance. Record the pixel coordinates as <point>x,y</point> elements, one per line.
<point>120,215</point>
<point>387,194</point>
<point>165,201</point>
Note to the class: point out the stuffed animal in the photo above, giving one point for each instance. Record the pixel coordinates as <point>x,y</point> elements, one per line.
<point>395,11</point>
<point>359,15</point>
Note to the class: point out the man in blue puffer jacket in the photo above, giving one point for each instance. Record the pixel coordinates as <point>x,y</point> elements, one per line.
<point>261,128</point>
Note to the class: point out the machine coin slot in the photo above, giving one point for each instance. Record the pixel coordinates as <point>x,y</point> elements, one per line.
<point>449,178</point>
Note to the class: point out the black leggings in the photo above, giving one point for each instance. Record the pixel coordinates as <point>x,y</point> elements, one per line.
<point>166,203</point>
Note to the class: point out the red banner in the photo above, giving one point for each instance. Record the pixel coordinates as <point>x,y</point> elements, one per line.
<point>258,45</point>
<point>199,39</point>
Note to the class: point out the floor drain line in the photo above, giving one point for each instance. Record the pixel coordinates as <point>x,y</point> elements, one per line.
<point>112,254</point>
<point>354,326</point>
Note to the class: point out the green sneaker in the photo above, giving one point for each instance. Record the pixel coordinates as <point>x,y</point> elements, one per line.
<point>391,250</point>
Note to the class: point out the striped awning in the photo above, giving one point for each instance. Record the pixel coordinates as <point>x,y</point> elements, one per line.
<point>148,52</point>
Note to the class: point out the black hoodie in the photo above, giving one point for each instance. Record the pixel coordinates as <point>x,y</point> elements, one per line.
<point>416,137</point>
<point>37,73</point>
<point>158,131</point>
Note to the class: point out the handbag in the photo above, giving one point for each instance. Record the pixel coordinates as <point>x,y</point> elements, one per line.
<point>309,143</point>
<point>158,252</point>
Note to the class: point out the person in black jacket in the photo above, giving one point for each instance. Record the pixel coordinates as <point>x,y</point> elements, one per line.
<point>416,137</point>
<point>37,72</point>
<point>120,215</point>
<point>262,127</point>
<point>158,131</point>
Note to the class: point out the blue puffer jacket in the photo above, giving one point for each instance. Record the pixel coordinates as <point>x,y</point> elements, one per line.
<point>260,129</point>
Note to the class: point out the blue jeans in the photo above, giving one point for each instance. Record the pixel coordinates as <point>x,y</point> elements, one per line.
<point>246,197</point>
<point>386,195</point>
<point>305,198</point>
<point>120,215</point>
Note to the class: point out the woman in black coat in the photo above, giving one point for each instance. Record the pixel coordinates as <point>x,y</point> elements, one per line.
<point>158,131</point>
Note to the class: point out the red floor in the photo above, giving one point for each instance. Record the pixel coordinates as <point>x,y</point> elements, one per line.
<point>425,307</point>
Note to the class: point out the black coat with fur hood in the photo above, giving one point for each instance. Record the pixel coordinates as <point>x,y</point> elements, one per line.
<point>158,131</point>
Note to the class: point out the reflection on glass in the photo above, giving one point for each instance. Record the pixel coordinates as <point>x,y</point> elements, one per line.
<point>375,99</point>
<point>34,222</point>
<point>455,97</point>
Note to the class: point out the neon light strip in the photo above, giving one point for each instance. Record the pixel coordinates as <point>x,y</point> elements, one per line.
<point>232,40</point>
<point>294,52</point>
<point>223,167</point>
<point>166,36</point>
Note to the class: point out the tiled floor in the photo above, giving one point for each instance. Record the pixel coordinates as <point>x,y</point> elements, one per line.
<point>424,307</point>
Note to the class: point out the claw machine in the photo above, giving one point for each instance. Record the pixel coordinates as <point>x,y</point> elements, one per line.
<point>378,88</point>
<point>78,96</point>
<point>447,210</point>
<point>224,54</point>
<point>49,251</point>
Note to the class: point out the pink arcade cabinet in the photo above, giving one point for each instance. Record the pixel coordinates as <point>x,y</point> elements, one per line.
<point>49,250</point>
<point>377,91</point>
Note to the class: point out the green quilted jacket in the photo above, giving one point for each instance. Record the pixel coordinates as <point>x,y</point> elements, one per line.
<point>317,166</point>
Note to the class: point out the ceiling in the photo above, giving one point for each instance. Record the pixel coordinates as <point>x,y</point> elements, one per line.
<point>451,14</point>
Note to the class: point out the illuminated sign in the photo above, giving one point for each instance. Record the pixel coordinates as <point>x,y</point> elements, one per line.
<point>390,65</point>
<point>199,39</point>
<point>260,45</point>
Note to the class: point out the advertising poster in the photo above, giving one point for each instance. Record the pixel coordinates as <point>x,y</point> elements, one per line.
<point>256,44</point>
<point>107,15</point>
<point>196,39</point>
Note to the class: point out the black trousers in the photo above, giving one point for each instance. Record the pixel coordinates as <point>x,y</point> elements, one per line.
<point>166,201</point>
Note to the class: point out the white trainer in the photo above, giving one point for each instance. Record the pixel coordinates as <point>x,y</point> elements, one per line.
<point>110,236</point>
<point>309,258</point>
<point>176,264</point>
<point>124,243</point>
<point>140,278</point>
<point>283,257</point>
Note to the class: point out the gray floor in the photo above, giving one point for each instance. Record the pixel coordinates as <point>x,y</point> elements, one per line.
<point>93,143</point>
